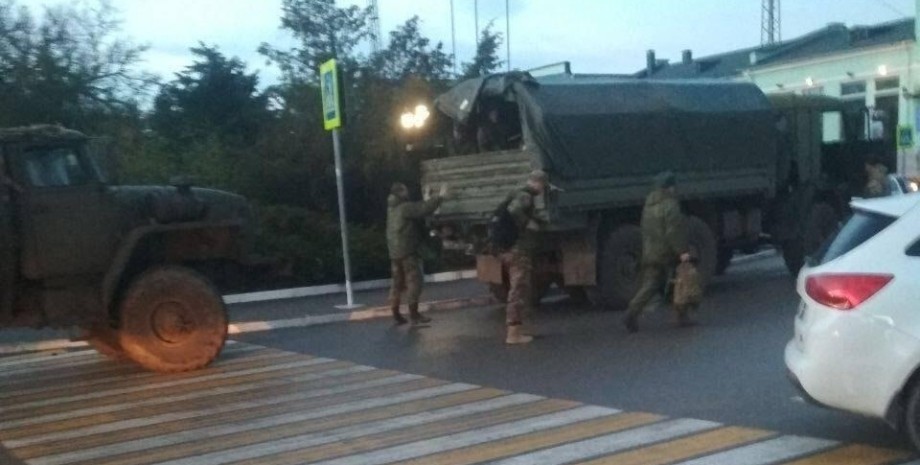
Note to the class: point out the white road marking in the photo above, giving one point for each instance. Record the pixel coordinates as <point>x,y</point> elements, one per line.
<point>236,406</point>
<point>211,433</point>
<point>179,382</point>
<point>767,452</point>
<point>611,443</point>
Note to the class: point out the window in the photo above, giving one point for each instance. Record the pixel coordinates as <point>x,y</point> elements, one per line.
<point>54,167</point>
<point>852,88</point>
<point>817,90</point>
<point>888,83</point>
<point>861,227</point>
<point>914,249</point>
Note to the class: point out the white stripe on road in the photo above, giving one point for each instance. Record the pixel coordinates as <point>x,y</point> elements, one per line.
<point>470,438</point>
<point>357,431</point>
<point>767,452</point>
<point>33,358</point>
<point>211,433</point>
<point>612,443</point>
<point>165,384</point>
<point>169,400</point>
<point>195,413</point>
<point>121,378</point>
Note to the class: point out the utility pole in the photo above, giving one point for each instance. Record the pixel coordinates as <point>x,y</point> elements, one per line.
<point>508,31</point>
<point>376,34</point>
<point>476,20</point>
<point>771,24</point>
<point>453,36</point>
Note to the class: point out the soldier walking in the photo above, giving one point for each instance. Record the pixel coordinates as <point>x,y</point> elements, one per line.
<point>403,242</point>
<point>664,241</point>
<point>519,259</point>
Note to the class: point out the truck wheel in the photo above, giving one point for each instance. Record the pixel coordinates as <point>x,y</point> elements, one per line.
<point>703,245</point>
<point>172,320</point>
<point>618,270</point>
<point>105,340</point>
<point>822,223</point>
<point>723,260</point>
<point>499,292</point>
<point>911,421</point>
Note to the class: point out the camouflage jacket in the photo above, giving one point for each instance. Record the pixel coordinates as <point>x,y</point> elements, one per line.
<point>664,232</point>
<point>403,236</point>
<point>878,182</point>
<point>523,209</point>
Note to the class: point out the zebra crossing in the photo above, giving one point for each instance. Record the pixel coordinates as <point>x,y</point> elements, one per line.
<point>261,406</point>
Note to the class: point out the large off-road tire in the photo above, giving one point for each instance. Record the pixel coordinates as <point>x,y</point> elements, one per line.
<point>910,424</point>
<point>499,292</point>
<point>703,246</point>
<point>172,319</point>
<point>822,223</point>
<point>618,268</point>
<point>723,260</point>
<point>105,340</point>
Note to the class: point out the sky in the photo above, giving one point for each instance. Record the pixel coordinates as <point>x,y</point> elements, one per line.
<point>596,36</point>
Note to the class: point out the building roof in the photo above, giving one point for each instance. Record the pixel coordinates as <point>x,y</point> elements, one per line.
<point>832,39</point>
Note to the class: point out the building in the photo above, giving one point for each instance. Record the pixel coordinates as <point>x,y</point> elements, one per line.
<point>875,67</point>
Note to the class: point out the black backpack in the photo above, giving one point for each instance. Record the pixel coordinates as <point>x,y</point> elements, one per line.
<point>503,231</point>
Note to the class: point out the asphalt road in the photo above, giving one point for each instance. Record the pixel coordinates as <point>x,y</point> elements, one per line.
<point>729,369</point>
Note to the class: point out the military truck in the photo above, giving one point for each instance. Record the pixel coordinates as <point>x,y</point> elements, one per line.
<point>125,264</point>
<point>748,170</point>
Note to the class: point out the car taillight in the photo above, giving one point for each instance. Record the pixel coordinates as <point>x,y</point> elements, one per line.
<point>845,291</point>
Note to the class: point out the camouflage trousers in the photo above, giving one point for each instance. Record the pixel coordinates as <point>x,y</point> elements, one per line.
<point>407,277</point>
<point>652,282</point>
<point>520,279</point>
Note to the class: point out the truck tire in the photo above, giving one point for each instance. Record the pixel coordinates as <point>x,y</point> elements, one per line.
<point>618,268</point>
<point>105,340</point>
<point>822,223</point>
<point>703,246</point>
<point>499,292</point>
<point>723,260</point>
<point>172,320</point>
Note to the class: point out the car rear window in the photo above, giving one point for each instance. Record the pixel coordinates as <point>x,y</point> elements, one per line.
<point>861,227</point>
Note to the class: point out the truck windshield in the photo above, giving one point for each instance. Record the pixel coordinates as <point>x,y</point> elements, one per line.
<point>861,227</point>
<point>55,167</point>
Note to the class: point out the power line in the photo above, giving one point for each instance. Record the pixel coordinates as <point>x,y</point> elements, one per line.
<point>893,8</point>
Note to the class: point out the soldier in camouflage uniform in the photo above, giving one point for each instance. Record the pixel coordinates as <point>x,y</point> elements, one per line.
<point>403,242</point>
<point>877,178</point>
<point>664,241</point>
<point>519,260</point>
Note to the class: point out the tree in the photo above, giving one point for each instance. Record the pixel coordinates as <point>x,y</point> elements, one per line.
<point>213,96</point>
<point>324,31</point>
<point>69,67</point>
<point>410,54</point>
<point>486,60</point>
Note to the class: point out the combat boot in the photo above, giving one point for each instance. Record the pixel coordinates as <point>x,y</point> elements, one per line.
<point>517,336</point>
<point>417,318</point>
<point>399,319</point>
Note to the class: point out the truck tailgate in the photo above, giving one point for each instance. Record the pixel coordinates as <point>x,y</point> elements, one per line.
<point>477,183</point>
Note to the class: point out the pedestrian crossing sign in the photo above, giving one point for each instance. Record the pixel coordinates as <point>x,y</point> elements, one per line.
<point>329,88</point>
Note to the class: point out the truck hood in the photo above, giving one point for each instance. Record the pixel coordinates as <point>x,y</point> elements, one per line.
<point>139,204</point>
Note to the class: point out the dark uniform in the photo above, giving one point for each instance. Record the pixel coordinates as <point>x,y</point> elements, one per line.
<point>664,240</point>
<point>403,241</point>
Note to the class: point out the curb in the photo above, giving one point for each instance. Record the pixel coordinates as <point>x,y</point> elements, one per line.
<point>258,326</point>
<point>327,289</point>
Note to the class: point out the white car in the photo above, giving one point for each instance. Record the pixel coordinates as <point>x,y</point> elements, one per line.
<point>857,332</point>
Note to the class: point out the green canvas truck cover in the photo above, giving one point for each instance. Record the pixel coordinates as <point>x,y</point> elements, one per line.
<point>621,127</point>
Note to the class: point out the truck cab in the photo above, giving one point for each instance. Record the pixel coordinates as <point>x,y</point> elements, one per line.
<point>122,263</point>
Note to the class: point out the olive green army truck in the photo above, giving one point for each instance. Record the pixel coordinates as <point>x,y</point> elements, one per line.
<point>124,263</point>
<point>747,172</point>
